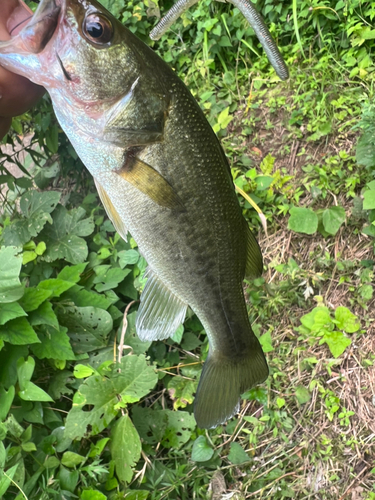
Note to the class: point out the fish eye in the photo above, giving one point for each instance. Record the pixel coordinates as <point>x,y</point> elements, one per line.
<point>97,28</point>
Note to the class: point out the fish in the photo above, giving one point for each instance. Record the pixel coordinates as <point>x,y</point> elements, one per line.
<point>161,175</point>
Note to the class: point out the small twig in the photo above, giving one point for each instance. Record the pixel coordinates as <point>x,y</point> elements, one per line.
<point>295,148</point>
<point>348,489</point>
<point>123,331</point>
<point>15,484</point>
<point>273,482</point>
<point>179,366</point>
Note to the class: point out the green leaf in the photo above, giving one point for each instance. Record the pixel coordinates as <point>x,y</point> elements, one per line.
<point>127,258</point>
<point>114,6</point>
<point>32,392</point>
<point>58,384</point>
<point>40,248</point>
<point>303,220</point>
<point>10,311</point>
<point>33,297</point>
<point>13,427</point>
<point>28,447</point>
<point>151,424</point>
<point>88,327</point>
<point>97,448</point>
<point>177,336</point>
<point>109,277</point>
<point>28,257</point>
<point>52,138</point>
<point>126,447</point>
<point>366,291</point>
<point>263,182</point>
<point>25,370</point>
<point>54,344</point>
<point>2,455</point>
<point>280,402</point>
<point>302,394</point>
<point>92,495</point>
<point>18,332</point>
<point>224,118</point>
<point>55,286</point>
<point>72,273</point>
<point>68,479</point>
<point>237,454</point>
<point>71,459</point>
<point>36,207</point>
<point>259,394</point>
<point>202,450</point>
<point>84,298</point>
<point>137,495</point>
<point>317,319</point>
<point>44,315</point>
<point>266,341</point>
<point>63,237</point>
<point>6,399</point>
<point>10,268</point>
<point>346,320</point>
<point>82,371</point>
<point>365,153</point>
<point>135,380</point>
<point>337,342</point>
<point>369,200</point>
<point>5,480</point>
<point>190,341</point>
<point>179,428</point>
<point>51,463</point>
<point>333,218</point>
<point>181,391</point>
<point>16,234</point>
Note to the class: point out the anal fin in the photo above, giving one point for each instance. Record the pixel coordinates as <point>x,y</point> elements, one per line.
<point>254,259</point>
<point>160,313</point>
<point>111,211</point>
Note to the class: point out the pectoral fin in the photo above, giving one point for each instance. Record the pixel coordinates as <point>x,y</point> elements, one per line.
<point>160,313</point>
<point>121,129</point>
<point>254,259</point>
<point>111,211</point>
<point>146,179</point>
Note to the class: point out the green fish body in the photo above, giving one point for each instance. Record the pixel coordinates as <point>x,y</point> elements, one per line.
<point>161,175</point>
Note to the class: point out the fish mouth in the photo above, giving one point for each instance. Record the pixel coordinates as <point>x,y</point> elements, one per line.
<point>36,30</point>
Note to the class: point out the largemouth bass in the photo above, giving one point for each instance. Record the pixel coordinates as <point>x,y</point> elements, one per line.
<point>162,175</point>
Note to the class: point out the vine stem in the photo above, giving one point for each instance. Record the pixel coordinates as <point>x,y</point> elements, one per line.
<point>123,330</point>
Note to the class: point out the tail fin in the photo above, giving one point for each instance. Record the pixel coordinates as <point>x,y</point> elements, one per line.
<point>223,380</point>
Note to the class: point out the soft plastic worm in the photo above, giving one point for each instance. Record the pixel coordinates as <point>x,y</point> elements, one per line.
<point>171,16</point>
<point>251,15</point>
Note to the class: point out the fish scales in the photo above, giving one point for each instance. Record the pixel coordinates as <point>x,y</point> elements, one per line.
<point>161,174</point>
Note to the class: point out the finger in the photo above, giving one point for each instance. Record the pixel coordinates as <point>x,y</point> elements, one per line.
<point>4,126</point>
<point>17,94</point>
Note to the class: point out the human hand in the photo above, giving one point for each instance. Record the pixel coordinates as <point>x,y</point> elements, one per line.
<point>17,94</point>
